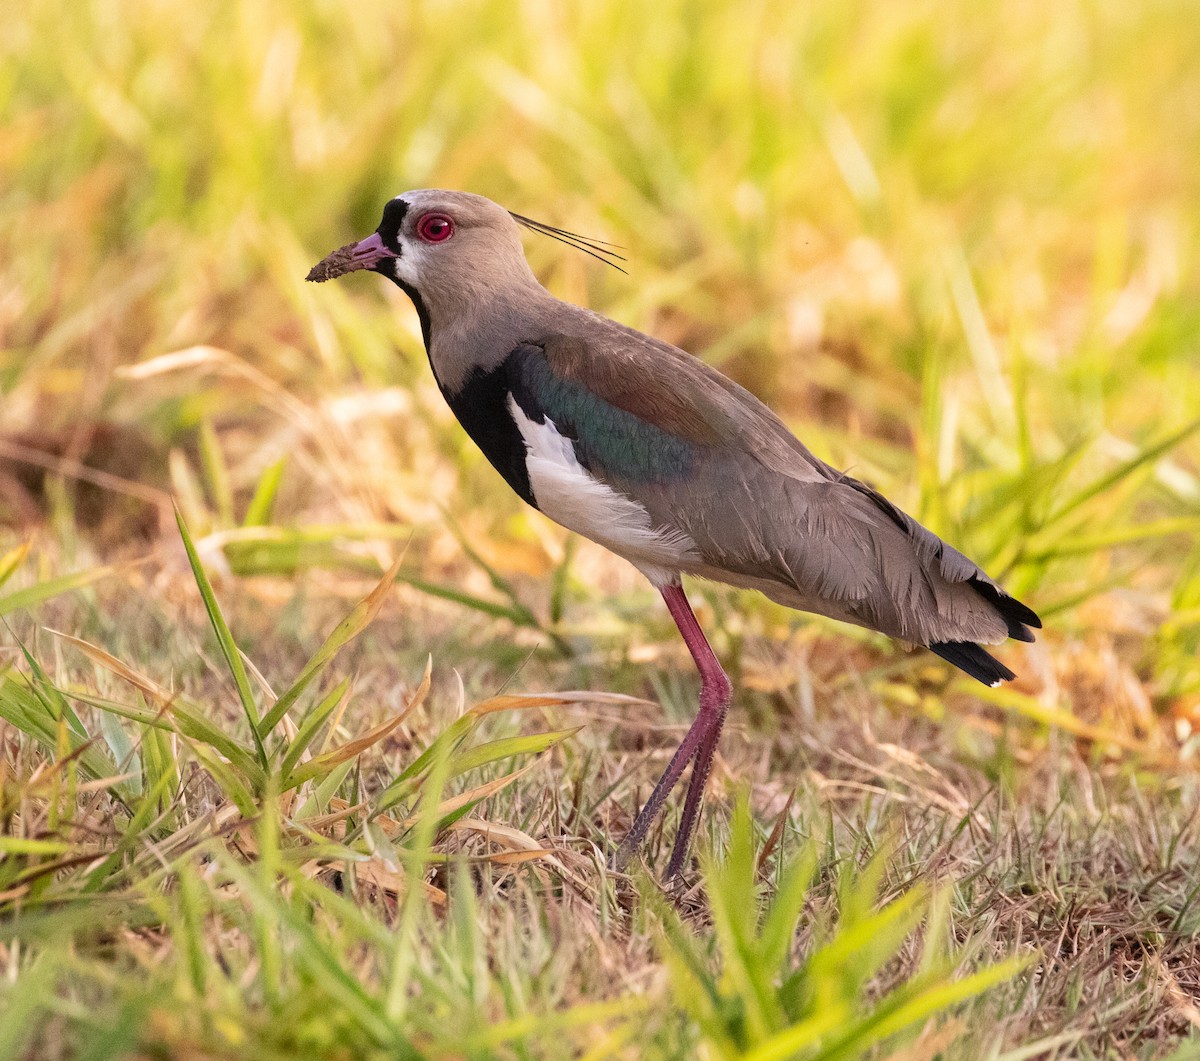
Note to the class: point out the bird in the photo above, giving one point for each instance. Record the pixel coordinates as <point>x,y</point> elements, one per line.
<point>647,450</point>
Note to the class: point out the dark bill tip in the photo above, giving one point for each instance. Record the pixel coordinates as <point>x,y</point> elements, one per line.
<point>365,254</point>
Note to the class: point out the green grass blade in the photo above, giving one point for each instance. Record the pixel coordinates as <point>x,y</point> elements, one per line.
<point>54,701</point>
<point>347,630</point>
<point>124,753</point>
<point>517,616</point>
<point>1122,472</point>
<point>229,647</point>
<point>21,705</point>
<point>804,1035</point>
<point>915,1001</point>
<point>320,765</point>
<point>189,721</point>
<point>505,748</point>
<point>561,580</point>
<point>131,838</point>
<point>216,473</point>
<point>31,596</point>
<point>262,504</point>
<point>24,1002</point>
<point>311,726</point>
<point>1083,544</point>
<point>779,926</point>
<point>498,581</point>
<point>453,734</point>
<point>11,561</point>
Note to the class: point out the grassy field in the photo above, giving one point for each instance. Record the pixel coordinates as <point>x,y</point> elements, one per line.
<point>329,767</point>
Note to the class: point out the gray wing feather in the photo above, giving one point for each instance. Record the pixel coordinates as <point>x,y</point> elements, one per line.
<point>764,512</point>
<point>826,547</point>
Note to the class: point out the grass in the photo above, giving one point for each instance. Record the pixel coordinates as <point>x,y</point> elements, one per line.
<point>270,780</point>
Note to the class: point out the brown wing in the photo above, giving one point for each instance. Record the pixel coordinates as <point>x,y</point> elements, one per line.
<point>766,513</point>
<point>679,393</point>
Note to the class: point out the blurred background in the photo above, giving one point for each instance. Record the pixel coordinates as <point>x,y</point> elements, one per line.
<point>956,247</point>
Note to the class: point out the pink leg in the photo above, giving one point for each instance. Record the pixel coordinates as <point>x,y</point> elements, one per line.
<point>699,742</point>
<point>701,768</point>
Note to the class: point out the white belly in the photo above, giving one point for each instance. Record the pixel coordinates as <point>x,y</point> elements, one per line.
<point>566,492</point>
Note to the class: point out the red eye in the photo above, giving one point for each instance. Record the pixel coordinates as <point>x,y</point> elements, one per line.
<point>435,228</point>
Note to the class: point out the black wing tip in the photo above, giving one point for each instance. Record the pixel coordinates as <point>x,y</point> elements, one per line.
<point>1024,614</point>
<point>1018,616</point>
<point>971,658</point>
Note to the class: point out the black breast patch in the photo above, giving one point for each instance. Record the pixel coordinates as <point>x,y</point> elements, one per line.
<point>482,408</point>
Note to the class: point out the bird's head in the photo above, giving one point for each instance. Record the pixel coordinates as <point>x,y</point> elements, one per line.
<point>436,243</point>
<point>459,258</point>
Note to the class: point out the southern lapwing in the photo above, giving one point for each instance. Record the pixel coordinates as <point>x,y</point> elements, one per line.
<point>647,450</point>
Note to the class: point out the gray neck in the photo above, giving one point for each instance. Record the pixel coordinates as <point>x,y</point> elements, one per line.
<point>479,331</point>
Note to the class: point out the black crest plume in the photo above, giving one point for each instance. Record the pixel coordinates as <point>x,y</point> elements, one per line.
<point>597,248</point>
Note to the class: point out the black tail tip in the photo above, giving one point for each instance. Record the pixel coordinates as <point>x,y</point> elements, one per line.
<point>968,656</point>
<point>1020,618</point>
